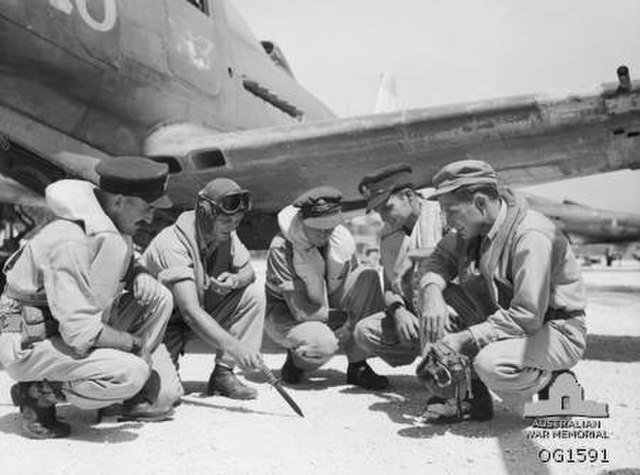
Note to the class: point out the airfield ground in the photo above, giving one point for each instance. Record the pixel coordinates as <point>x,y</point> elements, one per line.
<point>349,431</point>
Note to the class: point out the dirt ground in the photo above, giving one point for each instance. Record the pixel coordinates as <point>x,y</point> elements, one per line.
<point>349,431</point>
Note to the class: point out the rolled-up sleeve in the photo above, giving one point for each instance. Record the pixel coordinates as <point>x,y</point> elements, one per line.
<point>71,301</point>
<point>531,270</point>
<point>169,261</point>
<point>280,274</point>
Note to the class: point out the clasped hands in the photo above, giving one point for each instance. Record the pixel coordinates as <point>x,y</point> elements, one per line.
<point>224,283</point>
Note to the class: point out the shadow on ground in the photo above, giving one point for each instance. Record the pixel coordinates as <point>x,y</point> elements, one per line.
<point>613,288</point>
<point>318,380</point>
<point>205,402</point>
<point>622,471</point>
<point>83,427</point>
<point>405,404</point>
<point>624,349</point>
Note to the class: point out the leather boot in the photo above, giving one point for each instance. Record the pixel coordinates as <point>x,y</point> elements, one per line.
<point>145,412</point>
<point>142,407</point>
<point>478,407</point>
<point>222,381</point>
<point>37,401</point>
<point>361,374</point>
<point>481,402</point>
<point>149,392</point>
<point>290,373</point>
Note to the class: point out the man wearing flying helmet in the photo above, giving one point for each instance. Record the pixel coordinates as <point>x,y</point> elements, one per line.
<point>206,266</point>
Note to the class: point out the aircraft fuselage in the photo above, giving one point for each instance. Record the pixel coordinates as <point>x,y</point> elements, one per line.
<point>109,72</point>
<point>586,225</point>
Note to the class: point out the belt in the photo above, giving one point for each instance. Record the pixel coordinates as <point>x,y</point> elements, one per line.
<point>562,314</point>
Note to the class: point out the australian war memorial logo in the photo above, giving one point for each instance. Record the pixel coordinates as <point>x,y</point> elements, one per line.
<point>566,415</point>
<point>566,398</point>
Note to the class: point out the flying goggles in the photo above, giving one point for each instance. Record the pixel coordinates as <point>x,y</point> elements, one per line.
<point>230,203</point>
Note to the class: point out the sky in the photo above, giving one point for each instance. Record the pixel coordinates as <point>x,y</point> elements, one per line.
<point>451,51</point>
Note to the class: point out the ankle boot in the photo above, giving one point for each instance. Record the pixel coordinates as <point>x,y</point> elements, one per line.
<point>478,407</point>
<point>222,381</point>
<point>37,401</point>
<point>361,374</point>
<point>481,403</point>
<point>290,373</point>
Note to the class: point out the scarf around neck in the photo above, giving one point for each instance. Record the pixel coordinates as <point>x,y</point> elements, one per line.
<point>516,211</point>
<point>309,264</point>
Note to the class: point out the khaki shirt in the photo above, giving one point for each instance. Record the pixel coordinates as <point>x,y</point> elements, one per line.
<point>396,246</point>
<point>536,271</point>
<point>173,256</point>
<point>77,269</point>
<point>281,275</point>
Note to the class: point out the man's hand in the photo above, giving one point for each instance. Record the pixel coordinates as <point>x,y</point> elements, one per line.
<point>343,333</point>
<point>434,314</point>
<point>146,288</point>
<point>225,283</point>
<point>407,324</point>
<point>462,342</point>
<point>244,357</point>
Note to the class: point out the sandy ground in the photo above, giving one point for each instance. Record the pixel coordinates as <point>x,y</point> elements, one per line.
<point>347,430</point>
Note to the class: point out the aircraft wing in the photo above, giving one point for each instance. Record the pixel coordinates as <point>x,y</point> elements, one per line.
<point>16,193</point>
<point>528,139</point>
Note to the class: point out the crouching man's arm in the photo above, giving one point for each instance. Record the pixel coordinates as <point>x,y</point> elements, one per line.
<point>303,309</point>
<point>441,268</point>
<point>74,304</point>
<point>207,329</point>
<point>531,264</point>
<point>229,281</point>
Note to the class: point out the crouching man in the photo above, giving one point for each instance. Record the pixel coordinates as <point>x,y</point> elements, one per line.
<point>67,330</point>
<point>206,266</point>
<point>520,298</point>
<point>312,277</point>
<point>410,223</point>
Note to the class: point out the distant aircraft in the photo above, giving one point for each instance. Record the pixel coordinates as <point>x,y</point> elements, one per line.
<point>586,225</point>
<point>186,83</point>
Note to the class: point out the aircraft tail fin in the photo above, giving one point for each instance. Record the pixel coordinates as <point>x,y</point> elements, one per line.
<point>387,97</point>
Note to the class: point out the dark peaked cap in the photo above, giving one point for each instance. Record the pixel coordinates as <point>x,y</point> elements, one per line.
<point>135,176</point>
<point>462,173</point>
<point>377,186</point>
<point>320,207</point>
